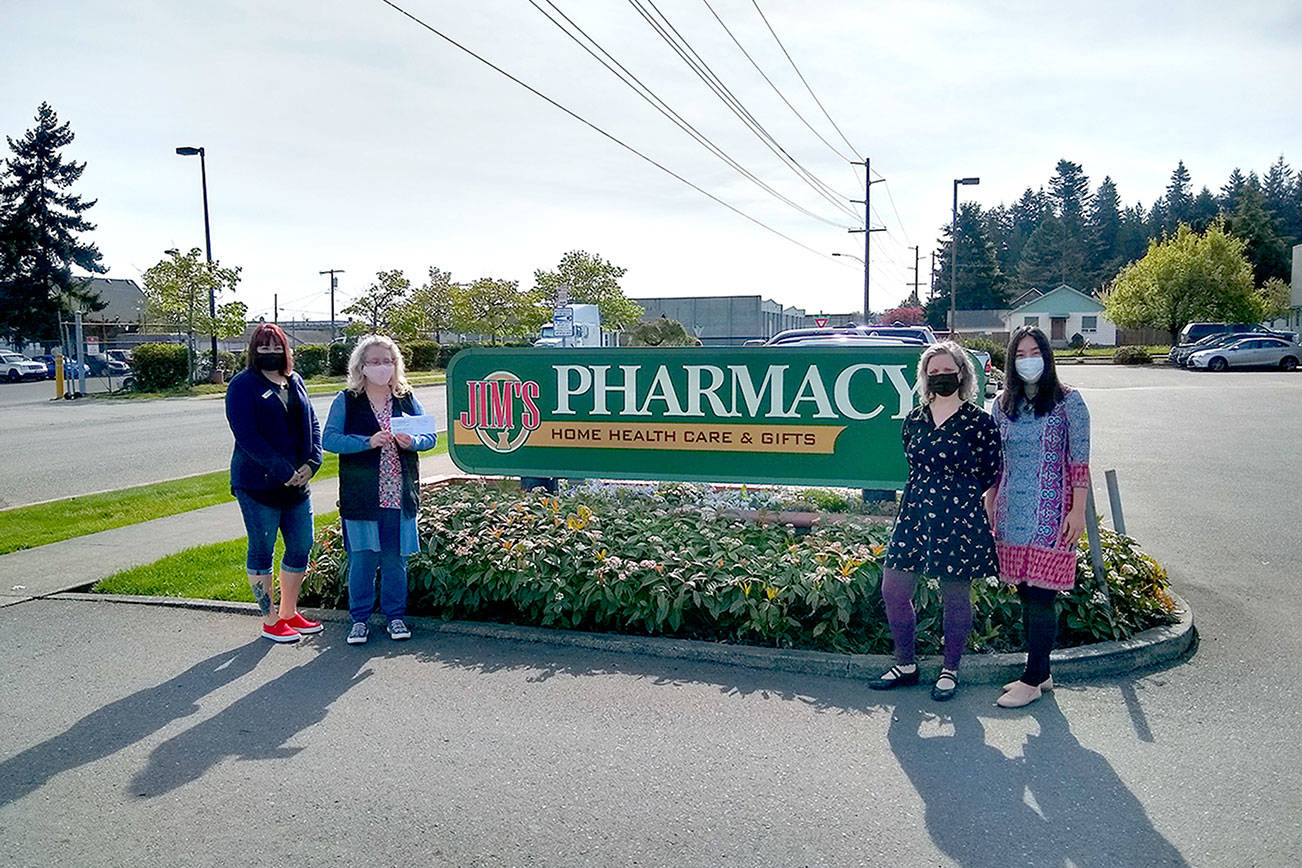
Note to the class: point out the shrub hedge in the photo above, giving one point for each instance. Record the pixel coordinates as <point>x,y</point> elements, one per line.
<point>420,355</point>
<point>996,350</point>
<point>159,366</point>
<point>1131,356</point>
<point>641,564</point>
<point>338,357</point>
<point>310,359</point>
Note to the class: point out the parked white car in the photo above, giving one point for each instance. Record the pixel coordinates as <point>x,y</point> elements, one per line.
<point>15,367</point>
<point>1252,352</point>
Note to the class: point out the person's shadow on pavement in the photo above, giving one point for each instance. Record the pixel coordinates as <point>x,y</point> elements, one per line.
<point>124,722</point>
<point>1059,803</point>
<point>257,725</point>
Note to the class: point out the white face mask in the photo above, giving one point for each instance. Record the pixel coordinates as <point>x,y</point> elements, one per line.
<point>1030,368</point>
<point>380,375</point>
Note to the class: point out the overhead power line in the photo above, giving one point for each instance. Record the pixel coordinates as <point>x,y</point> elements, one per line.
<point>597,129</point>
<point>702,70</point>
<point>650,96</point>
<point>787,54</point>
<point>776,90</point>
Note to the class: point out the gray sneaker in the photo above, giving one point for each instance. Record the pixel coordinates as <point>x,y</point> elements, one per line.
<point>359,634</point>
<point>398,630</point>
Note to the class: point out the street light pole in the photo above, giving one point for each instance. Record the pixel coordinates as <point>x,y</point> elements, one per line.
<point>953,253</point>
<point>215,375</point>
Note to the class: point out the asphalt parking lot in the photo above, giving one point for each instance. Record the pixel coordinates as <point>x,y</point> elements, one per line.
<point>156,737</point>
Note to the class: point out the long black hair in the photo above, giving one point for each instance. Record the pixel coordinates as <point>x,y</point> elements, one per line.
<point>1049,390</point>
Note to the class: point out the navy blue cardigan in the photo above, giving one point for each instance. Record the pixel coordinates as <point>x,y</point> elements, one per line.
<point>269,445</point>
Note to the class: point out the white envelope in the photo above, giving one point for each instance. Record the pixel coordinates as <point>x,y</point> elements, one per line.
<point>412,425</point>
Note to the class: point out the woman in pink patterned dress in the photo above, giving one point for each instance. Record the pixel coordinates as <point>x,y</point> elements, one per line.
<point>1038,507</point>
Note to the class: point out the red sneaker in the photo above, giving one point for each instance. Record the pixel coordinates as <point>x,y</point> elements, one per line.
<point>280,632</point>
<point>303,625</point>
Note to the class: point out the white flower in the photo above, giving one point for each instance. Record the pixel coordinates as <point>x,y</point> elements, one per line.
<point>1099,598</point>
<point>992,581</point>
<point>934,584</point>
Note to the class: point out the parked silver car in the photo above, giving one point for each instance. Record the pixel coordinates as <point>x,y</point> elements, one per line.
<point>1251,352</point>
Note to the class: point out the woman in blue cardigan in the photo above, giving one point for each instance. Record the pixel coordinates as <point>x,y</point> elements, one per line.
<point>277,451</point>
<point>379,482</point>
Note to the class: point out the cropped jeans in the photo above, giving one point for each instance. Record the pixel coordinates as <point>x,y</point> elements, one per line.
<point>261,523</point>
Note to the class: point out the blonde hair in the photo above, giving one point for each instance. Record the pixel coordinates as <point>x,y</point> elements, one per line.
<point>967,381</point>
<point>357,361</point>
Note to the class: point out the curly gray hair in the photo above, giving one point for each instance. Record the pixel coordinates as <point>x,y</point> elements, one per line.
<point>967,379</point>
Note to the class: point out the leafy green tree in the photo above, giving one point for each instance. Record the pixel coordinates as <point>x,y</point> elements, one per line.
<point>1276,299</point>
<point>591,280</point>
<point>493,307</point>
<point>176,294</point>
<point>379,305</point>
<point>40,224</point>
<point>660,331</point>
<point>428,311</point>
<point>1266,250</point>
<point>1184,278</point>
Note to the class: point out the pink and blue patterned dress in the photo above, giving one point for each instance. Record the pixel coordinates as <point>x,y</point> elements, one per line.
<point>1044,458</point>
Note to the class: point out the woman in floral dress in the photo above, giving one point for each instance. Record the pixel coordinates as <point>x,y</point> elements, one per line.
<point>942,533</point>
<point>1038,507</point>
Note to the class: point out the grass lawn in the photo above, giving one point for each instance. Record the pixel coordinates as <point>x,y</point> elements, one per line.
<point>26,527</point>
<point>211,572</point>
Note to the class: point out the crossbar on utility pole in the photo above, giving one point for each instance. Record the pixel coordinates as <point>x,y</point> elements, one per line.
<point>868,229</point>
<point>334,282</point>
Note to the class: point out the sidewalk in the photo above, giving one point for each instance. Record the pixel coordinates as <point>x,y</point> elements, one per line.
<point>73,563</point>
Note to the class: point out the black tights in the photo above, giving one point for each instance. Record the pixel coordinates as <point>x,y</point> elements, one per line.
<point>1040,623</point>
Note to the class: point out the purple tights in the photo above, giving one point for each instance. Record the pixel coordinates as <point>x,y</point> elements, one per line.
<point>897,593</point>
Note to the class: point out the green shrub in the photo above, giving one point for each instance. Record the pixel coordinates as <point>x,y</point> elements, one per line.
<point>159,366</point>
<point>339,354</point>
<point>640,564</point>
<point>446,352</point>
<point>421,355</point>
<point>1131,356</point>
<point>996,350</point>
<point>310,359</point>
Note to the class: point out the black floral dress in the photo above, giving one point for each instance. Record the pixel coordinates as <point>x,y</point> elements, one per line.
<point>942,531</point>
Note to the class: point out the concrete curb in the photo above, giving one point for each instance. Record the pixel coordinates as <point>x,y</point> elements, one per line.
<point>1160,645</point>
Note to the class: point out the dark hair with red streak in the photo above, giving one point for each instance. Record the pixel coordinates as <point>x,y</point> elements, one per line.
<point>264,336</point>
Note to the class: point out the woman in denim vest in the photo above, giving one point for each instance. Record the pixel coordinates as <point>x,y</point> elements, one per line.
<point>379,482</point>
<point>277,451</point>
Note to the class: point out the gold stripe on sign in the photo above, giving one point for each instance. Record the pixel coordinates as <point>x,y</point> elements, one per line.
<point>679,436</point>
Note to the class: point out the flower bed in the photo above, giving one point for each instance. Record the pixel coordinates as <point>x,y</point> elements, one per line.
<point>672,559</point>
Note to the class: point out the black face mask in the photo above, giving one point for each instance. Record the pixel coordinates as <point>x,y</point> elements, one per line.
<point>943,384</point>
<point>269,361</point>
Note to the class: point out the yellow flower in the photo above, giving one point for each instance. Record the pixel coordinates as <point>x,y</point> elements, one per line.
<point>770,592</point>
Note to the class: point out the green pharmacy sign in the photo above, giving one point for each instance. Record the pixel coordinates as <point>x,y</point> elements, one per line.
<point>800,416</point>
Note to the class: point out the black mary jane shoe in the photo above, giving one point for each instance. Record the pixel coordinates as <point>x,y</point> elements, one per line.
<point>945,694</point>
<point>894,677</point>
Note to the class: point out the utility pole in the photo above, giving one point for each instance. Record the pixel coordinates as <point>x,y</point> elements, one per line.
<point>867,229</point>
<point>334,283</point>
<point>932,293</point>
<point>914,301</point>
<point>275,307</point>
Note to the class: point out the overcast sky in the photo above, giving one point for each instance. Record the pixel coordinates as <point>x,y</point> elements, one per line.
<point>341,134</point>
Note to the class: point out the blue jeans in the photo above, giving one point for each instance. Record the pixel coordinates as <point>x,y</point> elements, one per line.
<point>393,573</point>
<point>261,523</point>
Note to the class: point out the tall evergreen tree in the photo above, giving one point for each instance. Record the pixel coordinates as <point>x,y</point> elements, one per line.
<point>40,221</point>
<point>1179,199</point>
<point>1025,217</point>
<point>1204,211</point>
<point>1265,249</point>
<point>1155,225</point>
<point>1132,240</point>
<point>1069,188</point>
<point>1103,235</point>
<point>980,284</point>
<point>1229,198</point>
<point>1051,258</point>
<point>1277,188</point>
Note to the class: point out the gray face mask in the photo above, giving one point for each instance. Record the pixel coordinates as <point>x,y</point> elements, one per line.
<point>1030,368</point>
